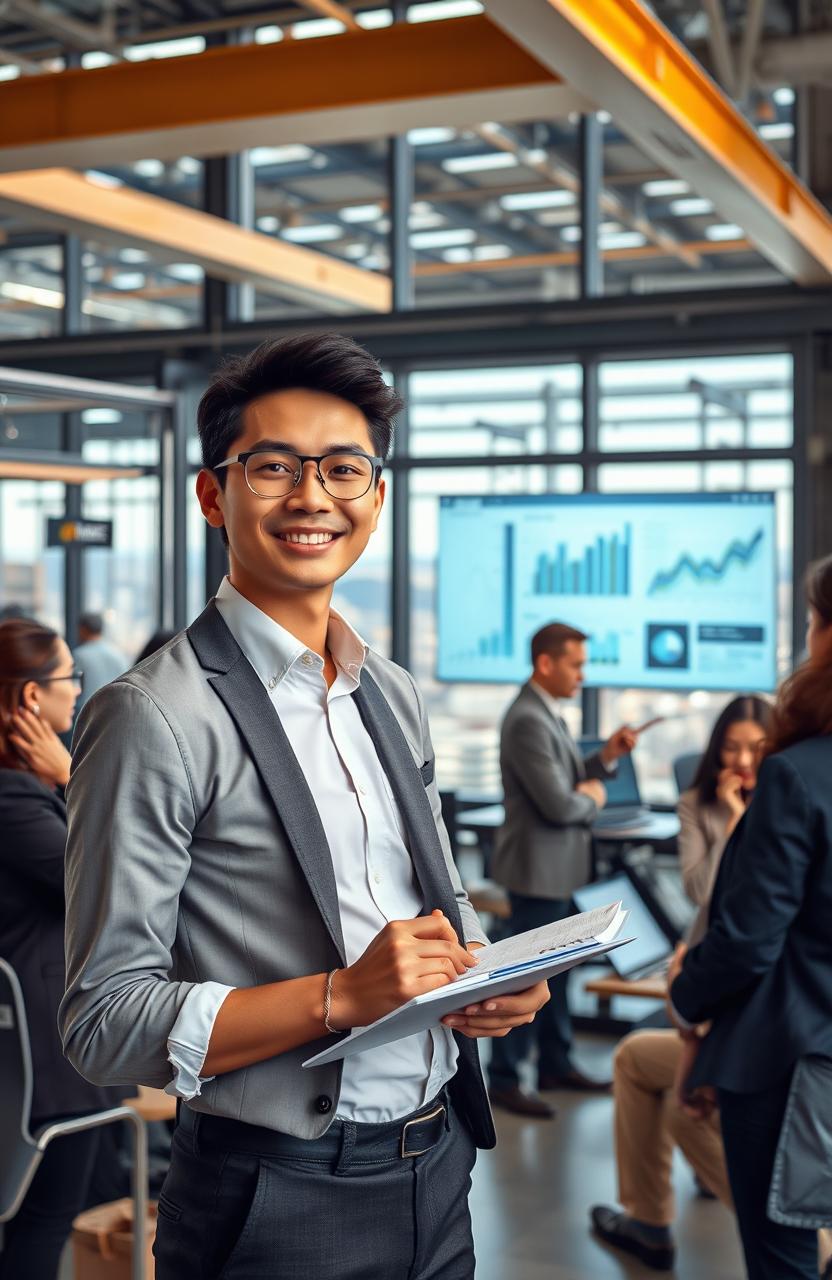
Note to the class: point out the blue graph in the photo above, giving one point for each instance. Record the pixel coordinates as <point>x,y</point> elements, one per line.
<point>603,569</point>
<point>500,644</point>
<point>707,570</point>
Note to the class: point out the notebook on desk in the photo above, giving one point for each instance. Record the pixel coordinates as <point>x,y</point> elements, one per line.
<point>624,805</point>
<point>648,955</point>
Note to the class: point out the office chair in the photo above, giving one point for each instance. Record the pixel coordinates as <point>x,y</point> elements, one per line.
<point>21,1151</point>
<point>684,770</point>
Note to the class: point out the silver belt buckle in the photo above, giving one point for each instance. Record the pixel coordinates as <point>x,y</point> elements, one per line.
<point>431,1115</point>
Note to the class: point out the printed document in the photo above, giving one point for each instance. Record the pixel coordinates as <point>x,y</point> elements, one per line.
<point>501,968</point>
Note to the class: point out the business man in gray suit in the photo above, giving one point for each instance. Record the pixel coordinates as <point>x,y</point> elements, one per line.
<point>543,850</point>
<point>257,862</point>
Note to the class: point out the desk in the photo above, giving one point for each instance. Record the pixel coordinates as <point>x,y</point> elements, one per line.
<point>643,988</point>
<point>655,826</point>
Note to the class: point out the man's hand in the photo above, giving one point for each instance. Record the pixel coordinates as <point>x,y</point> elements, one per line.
<point>495,1018</point>
<point>620,744</point>
<point>406,959</point>
<point>595,789</point>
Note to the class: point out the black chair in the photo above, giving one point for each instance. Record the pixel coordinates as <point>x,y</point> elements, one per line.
<point>21,1151</point>
<point>684,770</point>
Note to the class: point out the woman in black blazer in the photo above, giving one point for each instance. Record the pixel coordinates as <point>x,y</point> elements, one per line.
<point>38,691</point>
<point>763,972</point>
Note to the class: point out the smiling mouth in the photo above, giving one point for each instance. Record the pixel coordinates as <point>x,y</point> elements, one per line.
<point>308,539</point>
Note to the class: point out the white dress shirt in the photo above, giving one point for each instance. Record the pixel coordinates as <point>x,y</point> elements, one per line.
<point>374,872</point>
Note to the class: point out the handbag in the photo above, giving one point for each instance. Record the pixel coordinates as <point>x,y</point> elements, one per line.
<point>801,1183</point>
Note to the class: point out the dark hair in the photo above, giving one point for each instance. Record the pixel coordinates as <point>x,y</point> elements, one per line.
<point>314,361</point>
<point>92,622</point>
<point>553,638</point>
<point>28,651</point>
<point>747,707</point>
<point>804,703</point>
<point>156,641</point>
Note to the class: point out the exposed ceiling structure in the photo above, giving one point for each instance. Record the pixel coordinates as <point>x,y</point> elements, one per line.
<point>497,182</point>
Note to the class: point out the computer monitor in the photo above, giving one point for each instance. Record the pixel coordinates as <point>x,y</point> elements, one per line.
<point>650,945</point>
<point>621,787</point>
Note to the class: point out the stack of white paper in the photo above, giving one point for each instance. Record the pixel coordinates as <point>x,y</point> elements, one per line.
<point>501,968</point>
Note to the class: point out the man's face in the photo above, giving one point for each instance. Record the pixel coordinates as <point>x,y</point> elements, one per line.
<point>265,561</point>
<point>563,674</point>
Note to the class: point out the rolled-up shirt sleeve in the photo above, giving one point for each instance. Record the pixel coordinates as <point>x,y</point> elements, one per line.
<point>190,1036</point>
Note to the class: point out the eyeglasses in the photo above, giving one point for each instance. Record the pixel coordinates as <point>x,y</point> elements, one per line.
<point>77,677</point>
<point>271,473</point>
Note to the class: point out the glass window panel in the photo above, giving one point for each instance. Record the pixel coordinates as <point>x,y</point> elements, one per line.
<point>659,233</point>
<point>31,574</point>
<point>122,581</point>
<point>126,287</point>
<point>465,718</point>
<point>330,199</point>
<point>197,533</point>
<point>689,716</point>
<point>735,401</point>
<point>496,410</point>
<point>496,213</point>
<point>31,287</point>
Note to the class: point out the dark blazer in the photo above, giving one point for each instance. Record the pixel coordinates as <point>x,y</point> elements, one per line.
<point>32,845</point>
<point>763,971</point>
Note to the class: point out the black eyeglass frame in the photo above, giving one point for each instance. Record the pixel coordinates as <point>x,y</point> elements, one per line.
<point>77,677</point>
<point>302,459</point>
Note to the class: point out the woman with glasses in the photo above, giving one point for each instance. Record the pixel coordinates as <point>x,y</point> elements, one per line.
<point>38,691</point>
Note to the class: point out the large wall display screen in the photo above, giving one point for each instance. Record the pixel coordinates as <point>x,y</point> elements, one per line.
<point>677,591</point>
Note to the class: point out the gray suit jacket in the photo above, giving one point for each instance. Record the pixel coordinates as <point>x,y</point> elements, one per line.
<point>196,853</point>
<point>543,848</point>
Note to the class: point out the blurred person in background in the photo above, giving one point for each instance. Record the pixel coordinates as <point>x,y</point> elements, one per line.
<point>100,661</point>
<point>649,1119</point>
<point>39,687</point>
<point>762,976</point>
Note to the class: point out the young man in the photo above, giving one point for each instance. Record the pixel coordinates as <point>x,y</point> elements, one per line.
<point>257,861</point>
<point>543,849</point>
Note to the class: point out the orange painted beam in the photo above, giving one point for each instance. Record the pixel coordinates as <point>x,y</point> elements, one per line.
<point>360,84</point>
<point>663,99</point>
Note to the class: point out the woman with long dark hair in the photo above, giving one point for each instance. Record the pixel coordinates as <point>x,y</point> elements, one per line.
<point>762,974</point>
<point>721,791</point>
<point>38,691</point>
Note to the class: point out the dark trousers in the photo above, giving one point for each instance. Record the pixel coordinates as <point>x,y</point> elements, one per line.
<point>348,1206</point>
<point>551,1030</point>
<point>750,1130</point>
<point>34,1239</point>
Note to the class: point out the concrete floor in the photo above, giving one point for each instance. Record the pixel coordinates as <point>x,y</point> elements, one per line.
<point>531,1199</point>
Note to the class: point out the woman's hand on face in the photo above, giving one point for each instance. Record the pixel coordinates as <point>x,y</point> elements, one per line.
<point>41,748</point>
<point>729,791</point>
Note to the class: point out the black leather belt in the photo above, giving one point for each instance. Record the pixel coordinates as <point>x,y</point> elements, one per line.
<point>404,1138</point>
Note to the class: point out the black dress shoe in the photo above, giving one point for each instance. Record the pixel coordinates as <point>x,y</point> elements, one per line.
<point>521,1103</point>
<point>622,1232</point>
<point>576,1080</point>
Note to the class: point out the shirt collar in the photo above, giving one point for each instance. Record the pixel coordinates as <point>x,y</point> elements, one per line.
<point>272,650</point>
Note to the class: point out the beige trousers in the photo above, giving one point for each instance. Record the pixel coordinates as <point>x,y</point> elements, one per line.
<point>648,1123</point>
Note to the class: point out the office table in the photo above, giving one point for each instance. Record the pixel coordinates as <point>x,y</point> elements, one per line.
<point>654,826</point>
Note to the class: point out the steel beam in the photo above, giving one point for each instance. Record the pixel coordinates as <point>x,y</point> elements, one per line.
<point>363,84</point>
<point>172,232</point>
<point>658,94</point>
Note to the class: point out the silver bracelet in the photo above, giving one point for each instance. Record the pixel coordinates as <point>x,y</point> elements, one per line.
<point>334,1031</point>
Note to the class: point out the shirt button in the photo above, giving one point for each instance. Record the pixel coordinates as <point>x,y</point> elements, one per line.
<point>362,791</point>
<point>308,660</point>
<point>377,878</point>
<point>323,1103</point>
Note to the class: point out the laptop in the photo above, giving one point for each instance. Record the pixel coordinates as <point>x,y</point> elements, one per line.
<point>624,807</point>
<point>649,953</point>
